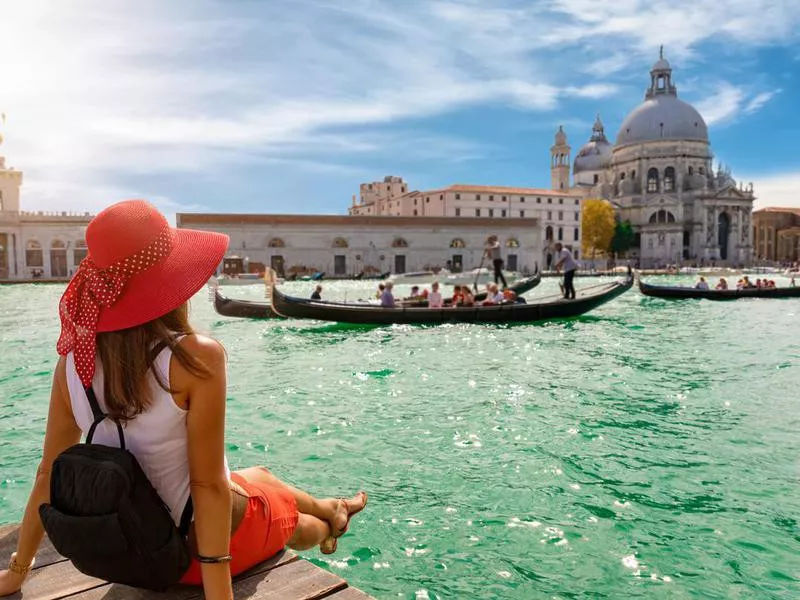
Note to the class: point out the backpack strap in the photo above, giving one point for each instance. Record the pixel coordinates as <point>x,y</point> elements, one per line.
<point>99,415</point>
<point>186,518</point>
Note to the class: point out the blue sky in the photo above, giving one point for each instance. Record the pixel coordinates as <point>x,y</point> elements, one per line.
<point>287,105</point>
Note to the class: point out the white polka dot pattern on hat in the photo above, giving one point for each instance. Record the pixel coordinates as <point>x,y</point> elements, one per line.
<point>91,290</point>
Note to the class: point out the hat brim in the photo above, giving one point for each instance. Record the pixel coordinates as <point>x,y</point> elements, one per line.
<point>164,287</point>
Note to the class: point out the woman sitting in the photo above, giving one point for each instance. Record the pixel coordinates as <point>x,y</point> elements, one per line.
<point>126,339</point>
<point>722,284</point>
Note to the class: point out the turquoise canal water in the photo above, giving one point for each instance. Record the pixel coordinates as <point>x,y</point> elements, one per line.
<point>647,450</point>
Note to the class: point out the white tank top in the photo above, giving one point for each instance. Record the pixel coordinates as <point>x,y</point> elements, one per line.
<point>156,437</point>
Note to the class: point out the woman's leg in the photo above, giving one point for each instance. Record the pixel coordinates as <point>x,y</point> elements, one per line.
<point>330,510</point>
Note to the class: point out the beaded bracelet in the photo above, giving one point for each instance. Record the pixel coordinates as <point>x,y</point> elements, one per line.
<point>214,559</point>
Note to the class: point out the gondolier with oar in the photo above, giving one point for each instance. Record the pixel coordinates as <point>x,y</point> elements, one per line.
<point>493,253</point>
<point>566,261</point>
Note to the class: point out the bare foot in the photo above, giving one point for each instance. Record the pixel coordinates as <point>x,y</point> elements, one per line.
<point>340,522</point>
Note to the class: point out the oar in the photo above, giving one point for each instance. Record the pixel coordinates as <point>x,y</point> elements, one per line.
<point>478,274</point>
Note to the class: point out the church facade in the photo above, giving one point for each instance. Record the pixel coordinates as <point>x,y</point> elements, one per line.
<point>659,175</point>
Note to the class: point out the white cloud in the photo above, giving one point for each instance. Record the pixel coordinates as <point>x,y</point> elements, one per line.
<point>757,102</point>
<point>723,105</point>
<point>778,189</point>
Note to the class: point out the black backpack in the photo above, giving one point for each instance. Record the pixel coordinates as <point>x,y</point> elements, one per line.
<point>105,516</point>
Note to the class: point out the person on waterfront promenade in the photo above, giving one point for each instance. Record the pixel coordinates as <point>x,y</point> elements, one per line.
<point>387,298</point>
<point>126,339</point>
<point>722,284</point>
<point>435,299</point>
<point>493,253</point>
<point>317,294</point>
<point>702,284</point>
<point>569,265</point>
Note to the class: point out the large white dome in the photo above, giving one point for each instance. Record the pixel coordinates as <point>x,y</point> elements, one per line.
<point>662,115</point>
<point>662,118</point>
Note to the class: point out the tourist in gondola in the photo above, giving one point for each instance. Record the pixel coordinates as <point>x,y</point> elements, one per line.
<point>467,299</point>
<point>387,298</point>
<point>702,284</point>
<point>722,284</point>
<point>493,253</point>
<point>435,299</point>
<point>379,293</point>
<point>569,266</point>
<point>317,294</point>
<point>456,299</point>
<point>128,297</point>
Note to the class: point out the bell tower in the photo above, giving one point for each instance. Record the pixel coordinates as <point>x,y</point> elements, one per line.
<point>560,161</point>
<point>10,182</point>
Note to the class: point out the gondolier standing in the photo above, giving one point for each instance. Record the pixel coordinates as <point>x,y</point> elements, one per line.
<point>570,266</point>
<point>493,252</point>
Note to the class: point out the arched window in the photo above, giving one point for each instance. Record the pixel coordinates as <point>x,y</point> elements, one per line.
<point>399,243</point>
<point>652,180</point>
<point>512,243</point>
<point>457,243</point>
<point>279,243</point>
<point>58,259</point>
<point>691,170</point>
<point>34,257</point>
<point>669,179</point>
<point>79,253</point>
<point>548,233</point>
<point>340,242</point>
<point>662,216</point>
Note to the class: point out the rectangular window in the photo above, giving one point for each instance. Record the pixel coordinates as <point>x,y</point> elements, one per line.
<point>491,198</point>
<point>561,215</point>
<point>577,202</point>
<point>504,198</point>
<point>340,264</point>
<point>477,212</point>
<point>522,214</point>
<point>477,196</point>
<point>415,201</point>
<point>522,199</point>
<point>491,212</point>
<point>576,234</point>
<point>538,201</point>
<point>503,213</point>
<point>561,201</point>
<point>549,215</point>
<point>577,216</point>
<point>549,200</point>
<point>458,196</point>
<point>427,200</point>
<point>560,234</point>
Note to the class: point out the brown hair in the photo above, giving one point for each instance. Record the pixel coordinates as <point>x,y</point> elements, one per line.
<point>128,354</point>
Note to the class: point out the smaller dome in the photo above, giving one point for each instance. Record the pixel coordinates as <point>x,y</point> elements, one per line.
<point>596,154</point>
<point>661,65</point>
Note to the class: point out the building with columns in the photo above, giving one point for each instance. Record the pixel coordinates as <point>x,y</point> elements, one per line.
<point>659,175</point>
<point>776,234</point>
<point>36,245</point>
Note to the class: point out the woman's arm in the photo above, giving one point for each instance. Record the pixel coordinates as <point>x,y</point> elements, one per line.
<point>209,483</point>
<point>61,432</point>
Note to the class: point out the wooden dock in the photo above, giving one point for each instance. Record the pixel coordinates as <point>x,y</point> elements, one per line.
<point>284,577</point>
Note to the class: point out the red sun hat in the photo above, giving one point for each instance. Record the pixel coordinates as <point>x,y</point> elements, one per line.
<point>138,268</point>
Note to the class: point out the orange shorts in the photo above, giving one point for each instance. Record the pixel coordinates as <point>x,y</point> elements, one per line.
<point>269,522</point>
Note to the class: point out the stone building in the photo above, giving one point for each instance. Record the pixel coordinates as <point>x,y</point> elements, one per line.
<point>348,245</point>
<point>36,245</point>
<point>659,175</point>
<point>776,234</point>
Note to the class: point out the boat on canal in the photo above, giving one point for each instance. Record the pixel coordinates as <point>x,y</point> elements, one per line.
<point>256,309</point>
<point>683,293</point>
<point>552,307</point>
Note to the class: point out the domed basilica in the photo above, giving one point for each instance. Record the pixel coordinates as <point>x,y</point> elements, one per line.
<point>658,175</point>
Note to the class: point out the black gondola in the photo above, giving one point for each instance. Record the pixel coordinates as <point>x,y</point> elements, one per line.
<point>683,293</point>
<point>254,309</point>
<point>543,309</point>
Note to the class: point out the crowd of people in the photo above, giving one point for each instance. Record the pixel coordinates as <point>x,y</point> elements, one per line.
<point>743,284</point>
<point>433,298</point>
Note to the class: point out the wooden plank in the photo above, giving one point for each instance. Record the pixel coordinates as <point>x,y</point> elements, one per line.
<point>299,580</point>
<point>56,581</point>
<point>350,593</point>
<point>9,535</point>
<point>183,592</point>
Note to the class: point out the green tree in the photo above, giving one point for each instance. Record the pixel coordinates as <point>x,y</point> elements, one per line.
<point>623,237</point>
<point>597,223</point>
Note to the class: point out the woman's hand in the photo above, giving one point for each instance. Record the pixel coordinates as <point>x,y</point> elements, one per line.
<point>10,582</point>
